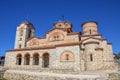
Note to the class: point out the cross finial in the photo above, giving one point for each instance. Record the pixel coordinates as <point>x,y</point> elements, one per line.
<point>27,17</point>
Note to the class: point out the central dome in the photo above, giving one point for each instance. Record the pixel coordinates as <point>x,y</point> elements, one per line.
<point>62,24</point>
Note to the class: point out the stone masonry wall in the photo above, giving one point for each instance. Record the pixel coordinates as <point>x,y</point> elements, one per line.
<point>54,58</point>
<point>24,75</point>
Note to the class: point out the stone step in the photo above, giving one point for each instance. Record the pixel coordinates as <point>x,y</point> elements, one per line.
<point>58,70</point>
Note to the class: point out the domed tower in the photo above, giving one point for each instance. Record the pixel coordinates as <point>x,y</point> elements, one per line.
<point>65,25</point>
<point>24,31</point>
<point>90,28</point>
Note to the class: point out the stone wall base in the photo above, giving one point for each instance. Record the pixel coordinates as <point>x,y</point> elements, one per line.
<point>27,75</point>
<point>2,71</point>
<point>30,75</point>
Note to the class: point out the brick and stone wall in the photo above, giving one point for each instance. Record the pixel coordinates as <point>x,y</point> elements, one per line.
<point>54,58</point>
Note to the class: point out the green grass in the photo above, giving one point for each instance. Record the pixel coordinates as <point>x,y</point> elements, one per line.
<point>2,79</point>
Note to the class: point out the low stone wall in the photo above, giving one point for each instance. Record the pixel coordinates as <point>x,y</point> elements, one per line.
<point>31,75</point>
<point>114,76</point>
<point>2,71</point>
<point>26,75</point>
<point>118,66</point>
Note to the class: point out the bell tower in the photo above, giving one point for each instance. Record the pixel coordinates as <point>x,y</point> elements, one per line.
<point>25,30</point>
<point>89,28</point>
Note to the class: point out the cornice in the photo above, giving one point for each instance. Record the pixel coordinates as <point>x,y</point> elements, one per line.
<point>91,42</point>
<point>45,47</point>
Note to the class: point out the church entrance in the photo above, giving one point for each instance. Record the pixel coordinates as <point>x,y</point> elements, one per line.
<point>45,60</point>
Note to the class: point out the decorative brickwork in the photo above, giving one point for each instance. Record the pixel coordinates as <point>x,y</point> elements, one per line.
<point>60,49</point>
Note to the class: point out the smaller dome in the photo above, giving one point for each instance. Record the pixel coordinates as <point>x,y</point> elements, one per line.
<point>89,22</point>
<point>26,23</point>
<point>62,24</point>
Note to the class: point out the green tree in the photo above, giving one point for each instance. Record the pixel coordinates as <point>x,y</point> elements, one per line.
<point>117,56</point>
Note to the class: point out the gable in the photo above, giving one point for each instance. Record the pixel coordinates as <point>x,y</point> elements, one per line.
<point>56,34</point>
<point>33,41</point>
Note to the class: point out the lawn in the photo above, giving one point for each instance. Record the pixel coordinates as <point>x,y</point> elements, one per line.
<point>2,79</point>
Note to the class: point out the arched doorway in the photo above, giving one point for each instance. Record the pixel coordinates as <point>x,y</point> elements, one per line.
<point>27,59</point>
<point>19,59</point>
<point>45,60</point>
<point>36,59</point>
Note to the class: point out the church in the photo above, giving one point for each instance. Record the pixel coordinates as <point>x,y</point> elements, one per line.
<point>60,49</point>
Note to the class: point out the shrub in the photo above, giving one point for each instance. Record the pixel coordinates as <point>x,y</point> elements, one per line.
<point>2,79</point>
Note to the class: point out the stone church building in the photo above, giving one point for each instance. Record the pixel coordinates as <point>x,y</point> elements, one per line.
<point>60,49</point>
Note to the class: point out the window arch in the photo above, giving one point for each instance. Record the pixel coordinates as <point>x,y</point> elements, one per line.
<point>90,31</point>
<point>45,59</point>
<point>27,59</point>
<point>18,59</point>
<point>35,59</point>
<point>67,56</point>
<point>56,36</point>
<point>20,45</point>
<point>21,32</point>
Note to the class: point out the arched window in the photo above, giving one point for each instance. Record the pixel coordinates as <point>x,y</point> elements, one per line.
<point>19,45</point>
<point>67,56</point>
<point>19,59</point>
<point>90,31</point>
<point>36,59</point>
<point>29,34</point>
<point>91,57</point>
<point>27,59</point>
<point>45,60</point>
<point>56,37</point>
<point>21,32</point>
<point>20,39</point>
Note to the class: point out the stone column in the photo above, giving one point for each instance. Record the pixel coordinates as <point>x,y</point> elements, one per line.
<point>23,59</point>
<point>31,60</point>
<point>40,61</point>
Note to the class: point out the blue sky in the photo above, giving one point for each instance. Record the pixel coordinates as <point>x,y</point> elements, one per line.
<point>43,13</point>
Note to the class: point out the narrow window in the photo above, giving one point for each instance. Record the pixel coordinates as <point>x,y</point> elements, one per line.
<point>20,46</point>
<point>90,31</point>
<point>34,43</point>
<point>60,25</point>
<point>56,37</point>
<point>21,33</point>
<point>67,57</point>
<point>19,59</point>
<point>91,57</point>
<point>20,39</point>
<point>29,34</point>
